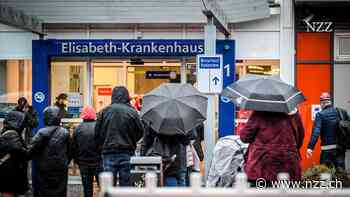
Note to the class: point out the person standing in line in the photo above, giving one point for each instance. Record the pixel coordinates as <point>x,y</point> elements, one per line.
<point>118,129</point>
<point>61,103</point>
<point>51,153</point>
<point>274,143</point>
<point>13,157</point>
<point>172,149</point>
<point>30,120</point>
<point>326,125</point>
<point>85,152</point>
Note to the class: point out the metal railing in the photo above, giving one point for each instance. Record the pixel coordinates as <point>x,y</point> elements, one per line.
<point>241,189</point>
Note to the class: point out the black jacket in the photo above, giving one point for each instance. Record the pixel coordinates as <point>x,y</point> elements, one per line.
<point>118,126</point>
<point>85,152</point>
<point>50,150</point>
<point>13,171</point>
<point>31,121</point>
<point>172,149</point>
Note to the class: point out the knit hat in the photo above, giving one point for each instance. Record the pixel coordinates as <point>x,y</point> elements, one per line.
<point>325,96</point>
<point>88,113</point>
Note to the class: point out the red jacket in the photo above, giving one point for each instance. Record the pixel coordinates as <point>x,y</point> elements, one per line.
<point>274,145</point>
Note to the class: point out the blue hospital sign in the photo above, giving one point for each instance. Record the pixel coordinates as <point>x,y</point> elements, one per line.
<point>44,50</point>
<point>130,47</point>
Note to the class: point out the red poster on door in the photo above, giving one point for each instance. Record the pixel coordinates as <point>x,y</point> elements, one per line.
<point>104,91</point>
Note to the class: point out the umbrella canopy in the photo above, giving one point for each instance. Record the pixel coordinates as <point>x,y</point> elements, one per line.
<point>174,109</point>
<point>264,93</point>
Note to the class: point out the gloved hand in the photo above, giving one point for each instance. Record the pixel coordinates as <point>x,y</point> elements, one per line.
<point>309,153</point>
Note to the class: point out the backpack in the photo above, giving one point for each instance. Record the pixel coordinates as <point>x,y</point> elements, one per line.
<point>343,131</point>
<point>229,156</point>
<point>4,155</point>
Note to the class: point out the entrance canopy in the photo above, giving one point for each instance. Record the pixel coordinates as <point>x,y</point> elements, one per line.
<point>137,11</point>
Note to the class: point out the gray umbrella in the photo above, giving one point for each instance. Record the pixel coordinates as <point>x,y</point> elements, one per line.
<point>264,93</point>
<point>173,109</point>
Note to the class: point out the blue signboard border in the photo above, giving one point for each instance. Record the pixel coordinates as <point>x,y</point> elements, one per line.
<point>44,50</point>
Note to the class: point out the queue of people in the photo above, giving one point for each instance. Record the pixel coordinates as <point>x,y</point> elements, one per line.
<point>103,142</point>
<point>107,140</point>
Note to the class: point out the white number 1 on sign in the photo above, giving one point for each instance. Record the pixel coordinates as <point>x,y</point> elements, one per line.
<point>227,68</point>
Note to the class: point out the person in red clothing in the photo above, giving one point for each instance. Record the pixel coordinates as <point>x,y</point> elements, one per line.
<point>274,143</point>
<point>136,102</point>
<point>85,151</point>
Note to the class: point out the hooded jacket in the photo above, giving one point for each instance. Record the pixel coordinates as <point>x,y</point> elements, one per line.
<point>50,150</point>
<point>118,126</point>
<point>13,170</point>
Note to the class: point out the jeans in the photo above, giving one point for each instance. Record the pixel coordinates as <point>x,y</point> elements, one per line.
<point>333,157</point>
<point>87,177</point>
<point>176,181</point>
<point>118,164</point>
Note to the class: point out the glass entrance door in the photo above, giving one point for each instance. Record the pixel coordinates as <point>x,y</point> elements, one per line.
<point>105,77</point>
<point>69,80</point>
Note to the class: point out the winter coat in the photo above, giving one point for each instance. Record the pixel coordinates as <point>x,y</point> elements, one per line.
<point>13,171</point>
<point>63,112</point>
<point>118,126</point>
<point>275,140</point>
<point>172,149</point>
<point>84,148</point>
<point>325,125</point>
<point>50,150</point>
<point>31,121</point>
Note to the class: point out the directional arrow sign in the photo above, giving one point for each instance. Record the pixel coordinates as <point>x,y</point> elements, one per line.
<point>209,73</point>
<point>216,80</point>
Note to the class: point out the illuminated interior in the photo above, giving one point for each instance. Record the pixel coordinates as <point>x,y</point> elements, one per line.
<point>92,82</point>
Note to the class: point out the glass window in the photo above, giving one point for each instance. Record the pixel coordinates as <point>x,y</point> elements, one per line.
<point>106,76</point>
<point>257,67</point>
<point>69,87</point>
<point>15,82</point>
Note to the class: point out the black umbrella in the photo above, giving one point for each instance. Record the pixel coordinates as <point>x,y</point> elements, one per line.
<point>264,93</point>
<point>174,109</point>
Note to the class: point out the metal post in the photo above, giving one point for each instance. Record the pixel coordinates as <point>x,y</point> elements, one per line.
<point>106,182</point>
<point>209,124</point>
<point>183,73</point>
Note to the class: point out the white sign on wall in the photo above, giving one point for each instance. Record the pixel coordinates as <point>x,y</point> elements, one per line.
<point>75,99</point>
<point>314,110</point>
<point>209,73</point>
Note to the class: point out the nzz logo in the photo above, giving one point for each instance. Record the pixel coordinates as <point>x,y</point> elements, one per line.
<point>318,26</point>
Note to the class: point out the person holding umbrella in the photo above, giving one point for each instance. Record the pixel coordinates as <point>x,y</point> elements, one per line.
<point>170,113</point>
<point>274,131</point>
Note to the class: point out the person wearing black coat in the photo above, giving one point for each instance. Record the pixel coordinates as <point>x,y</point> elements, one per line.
<point>85,152</point>
<point>51,154</point>
<point>30,120</point>
<point>118,129</point>
<point>172,149</point>
<point>13,157</point>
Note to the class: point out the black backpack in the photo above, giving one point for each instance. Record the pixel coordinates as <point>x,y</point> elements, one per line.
<point>4,146</point>
<point>343,131</point>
